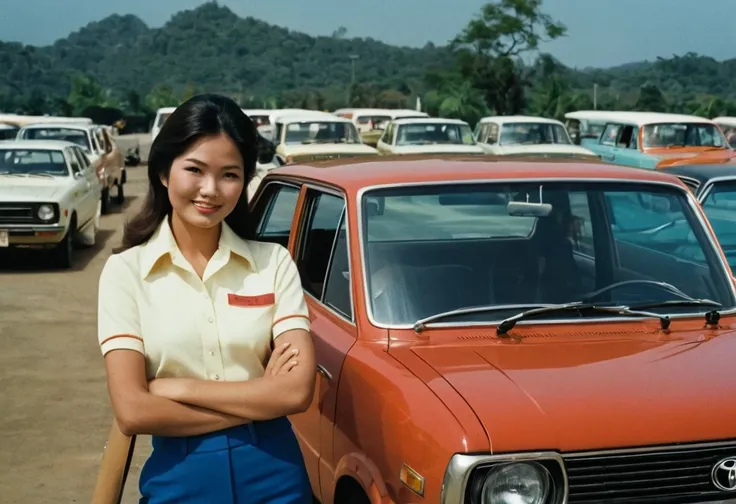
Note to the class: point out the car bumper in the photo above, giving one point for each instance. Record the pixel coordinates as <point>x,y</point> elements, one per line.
<point>32,236</point>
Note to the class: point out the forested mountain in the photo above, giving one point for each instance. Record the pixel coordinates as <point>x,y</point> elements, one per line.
<point>121,62</point>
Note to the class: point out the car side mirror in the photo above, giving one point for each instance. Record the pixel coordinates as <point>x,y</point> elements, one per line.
<point>78,175</point>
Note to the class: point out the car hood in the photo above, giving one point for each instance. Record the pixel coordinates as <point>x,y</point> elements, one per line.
<point>625,388</point>
<point>438,149</point>
<point>691,155</point>
<point>30,189</point>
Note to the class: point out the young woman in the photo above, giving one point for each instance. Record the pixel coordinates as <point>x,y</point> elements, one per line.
<point>205,332</point>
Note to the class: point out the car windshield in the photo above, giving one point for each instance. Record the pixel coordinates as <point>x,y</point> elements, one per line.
<point>720,207</point>
<point>682,135</point>
<point>76,136</point>
<point>434,133</point>
<point>530,133</point>
<point>316,132</point>
<point>431,249</point>
<point>32,162</point>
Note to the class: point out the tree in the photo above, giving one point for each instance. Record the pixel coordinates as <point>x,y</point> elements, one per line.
<point>651,99</point>
<point>507,28</point>
<point>85,93</point>
<point>486,48</point>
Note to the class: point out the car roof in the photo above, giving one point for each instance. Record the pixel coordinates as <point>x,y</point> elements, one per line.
<point>519,119</point>
<point>427,120</point>
<point>702,173</point>
<point>36,144</point>
<point>352,174</point>
<point>638,118</point>
<point>64,125</point>
<point>310,117</point>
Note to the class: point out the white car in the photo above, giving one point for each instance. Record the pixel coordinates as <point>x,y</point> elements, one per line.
<point>107,159</point>
<point>49,197</point>
<point>428,135</point>
<point>521,135</point>
<point>313,136</point>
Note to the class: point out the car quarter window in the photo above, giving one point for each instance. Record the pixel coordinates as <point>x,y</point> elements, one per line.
<point>610,134</point>
<point>276,208</point>
<point>322,222</point>
<point>73,161</point>
<point>337,287</point>
<point>81,157</point>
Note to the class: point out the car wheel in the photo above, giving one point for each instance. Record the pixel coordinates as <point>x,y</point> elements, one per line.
<point>64,251</point>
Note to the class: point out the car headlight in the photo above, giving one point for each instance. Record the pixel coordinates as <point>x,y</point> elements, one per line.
<point>45,212</point>
<point>517,483</point>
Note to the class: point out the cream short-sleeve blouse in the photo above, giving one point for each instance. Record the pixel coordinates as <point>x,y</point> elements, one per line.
<point>219,327</point>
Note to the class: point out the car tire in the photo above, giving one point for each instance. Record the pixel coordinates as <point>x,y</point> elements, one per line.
<point>63,253</point>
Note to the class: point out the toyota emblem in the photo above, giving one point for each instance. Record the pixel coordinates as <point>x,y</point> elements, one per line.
<point>723,475</point>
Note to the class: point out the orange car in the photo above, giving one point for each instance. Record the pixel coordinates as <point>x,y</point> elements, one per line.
<point>495,331</point>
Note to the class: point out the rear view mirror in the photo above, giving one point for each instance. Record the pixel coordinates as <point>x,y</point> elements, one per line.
<point>477,198</point>
<point>523,209</point>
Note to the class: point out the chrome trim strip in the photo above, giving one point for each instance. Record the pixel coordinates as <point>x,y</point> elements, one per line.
<point>651,449</point>
<point>460,467</point>
<point>694,207</point>
<point>36,228</point>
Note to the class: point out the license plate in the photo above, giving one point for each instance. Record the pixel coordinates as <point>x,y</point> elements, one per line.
<point>4,238</point>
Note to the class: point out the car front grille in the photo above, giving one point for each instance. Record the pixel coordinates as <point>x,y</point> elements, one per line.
<point>667,476</point>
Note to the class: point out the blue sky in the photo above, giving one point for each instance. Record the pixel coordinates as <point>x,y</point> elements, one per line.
<point>600,32</point>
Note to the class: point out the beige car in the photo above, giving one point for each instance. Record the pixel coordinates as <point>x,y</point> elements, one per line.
<point>107,159</point>
<point>306,137</point>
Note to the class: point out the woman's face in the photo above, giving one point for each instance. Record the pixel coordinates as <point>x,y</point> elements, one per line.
<point>206,182</point>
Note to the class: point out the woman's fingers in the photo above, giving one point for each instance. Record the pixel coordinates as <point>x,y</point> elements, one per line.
<point>284,359</point>
<point>277,352</point>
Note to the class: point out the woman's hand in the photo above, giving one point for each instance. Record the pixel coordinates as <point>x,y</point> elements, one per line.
<point>283,359</point>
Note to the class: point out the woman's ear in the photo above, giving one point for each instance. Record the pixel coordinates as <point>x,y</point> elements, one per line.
<point>164,182</point>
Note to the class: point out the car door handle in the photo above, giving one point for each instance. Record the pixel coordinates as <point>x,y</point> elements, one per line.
<point>323,371</point>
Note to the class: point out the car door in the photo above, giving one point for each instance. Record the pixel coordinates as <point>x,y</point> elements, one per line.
<point>606,146</point>
<point>385,143</point>
<point>95,187</point>
<point>82,190</point>
<point>323,261</point>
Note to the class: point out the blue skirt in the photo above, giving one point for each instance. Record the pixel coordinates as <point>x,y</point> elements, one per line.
<point>251,464</point>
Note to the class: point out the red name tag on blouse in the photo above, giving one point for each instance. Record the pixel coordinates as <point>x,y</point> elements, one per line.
<point>262,300</point>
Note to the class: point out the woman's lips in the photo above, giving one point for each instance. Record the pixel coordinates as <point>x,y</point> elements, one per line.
<point>205,208</point>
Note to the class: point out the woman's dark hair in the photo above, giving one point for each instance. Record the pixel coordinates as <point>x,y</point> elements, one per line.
<point>201,116</point>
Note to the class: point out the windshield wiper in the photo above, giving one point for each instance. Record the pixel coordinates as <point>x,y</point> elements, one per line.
<point>667,287</point>
<point>711,318</point>
<point>420,324</point>
<point>581,308</point>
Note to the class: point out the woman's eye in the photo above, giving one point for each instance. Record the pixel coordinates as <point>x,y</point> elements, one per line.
<point>232,175</point>
<point>193,169</point>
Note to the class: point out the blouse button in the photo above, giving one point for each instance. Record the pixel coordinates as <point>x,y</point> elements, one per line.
<point>217,377</point>
<point>212,354</point>
<point>209,320</point>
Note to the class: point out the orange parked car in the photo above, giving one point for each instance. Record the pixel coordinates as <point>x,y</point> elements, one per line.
<point>496,332</point>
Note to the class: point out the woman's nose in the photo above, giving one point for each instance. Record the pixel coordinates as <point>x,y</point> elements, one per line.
<point>208,187</point>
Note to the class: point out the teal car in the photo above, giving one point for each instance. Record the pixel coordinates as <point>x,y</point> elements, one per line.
<point>655,140</point>
<point>714,186</point>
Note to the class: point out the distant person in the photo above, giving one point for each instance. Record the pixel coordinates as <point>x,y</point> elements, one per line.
<point>204,331</point>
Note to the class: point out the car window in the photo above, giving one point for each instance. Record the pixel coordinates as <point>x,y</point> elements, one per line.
<point>277,207</point>
<point>323,219</point>
<point>81,158</point>
<point>610,134</point>
<point>436,248</point>
<point>720,207</point>
<point>73,161</point>
<point>337,287</point>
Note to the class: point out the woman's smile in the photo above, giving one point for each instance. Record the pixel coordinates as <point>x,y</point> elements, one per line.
<point>206,208</point>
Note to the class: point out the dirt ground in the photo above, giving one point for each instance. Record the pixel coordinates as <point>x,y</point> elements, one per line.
<point>54,410</point>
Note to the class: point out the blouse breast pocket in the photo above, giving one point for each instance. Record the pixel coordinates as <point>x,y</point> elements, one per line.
<point>250,317</point>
